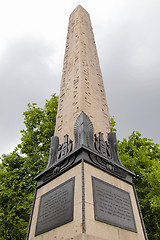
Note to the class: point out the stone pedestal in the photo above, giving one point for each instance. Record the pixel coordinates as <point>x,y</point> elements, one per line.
<point>87,193</point>
<point>84,225</point>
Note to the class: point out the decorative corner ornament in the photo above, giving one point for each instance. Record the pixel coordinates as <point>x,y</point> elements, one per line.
<point>84,136</point>
<point>53,151</point>
<point>101,146</point>
<point>83,132</point>
<point>65,148</point>
<point>89,147</point>
<point>58,151</point>
<point>112,140</point>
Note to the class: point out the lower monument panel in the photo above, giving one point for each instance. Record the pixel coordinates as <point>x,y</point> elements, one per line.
<point>56,207</point>
<point>112,205</point>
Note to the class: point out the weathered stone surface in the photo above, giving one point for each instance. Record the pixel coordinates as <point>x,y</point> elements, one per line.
<point>85,237</point>
<point>81,85</point>
<point>84,209</point>
<point>103,230</point>
<point>70,229</point>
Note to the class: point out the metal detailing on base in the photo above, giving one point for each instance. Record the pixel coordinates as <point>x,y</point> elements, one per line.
<point>88,146</point>
<point>56,168</point>
<point>58,151</point>
<point>101,146</point>
<point>101,162</point>
<point>83,131</point>
<point>53,151</point>
<point>84,136</point>
<point>65,148</point>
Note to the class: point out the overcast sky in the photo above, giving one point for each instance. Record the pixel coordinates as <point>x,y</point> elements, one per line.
<point>32,43</point>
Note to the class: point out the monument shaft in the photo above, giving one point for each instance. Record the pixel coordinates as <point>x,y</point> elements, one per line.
<point>85,192</point>
<point>81,85</point>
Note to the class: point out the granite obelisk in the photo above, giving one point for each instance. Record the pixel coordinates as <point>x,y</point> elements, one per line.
<point>82,86</point>
<point>85,192</point>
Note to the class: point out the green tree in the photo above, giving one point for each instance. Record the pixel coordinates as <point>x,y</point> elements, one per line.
<point>112,123</point>
<point>19,168</point>
<point>14,189</point>
<point>35,141</point>
<point>142,157</point>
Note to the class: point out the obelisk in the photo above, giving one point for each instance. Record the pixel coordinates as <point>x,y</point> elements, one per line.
<point>82,86</point>
<point>85,192</point>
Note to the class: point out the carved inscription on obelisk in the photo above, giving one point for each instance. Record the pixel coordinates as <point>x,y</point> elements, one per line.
<point>81,85</point>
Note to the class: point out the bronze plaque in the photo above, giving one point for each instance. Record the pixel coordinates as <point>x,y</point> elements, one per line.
<point>56,207</point>
<point>112,205</point>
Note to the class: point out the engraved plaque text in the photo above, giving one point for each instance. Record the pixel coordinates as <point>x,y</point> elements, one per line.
<point>112,205</point>
<point>56,207</point>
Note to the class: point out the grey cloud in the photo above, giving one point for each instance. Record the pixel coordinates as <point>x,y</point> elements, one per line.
<point>130,55</point>
<point>25,76</point>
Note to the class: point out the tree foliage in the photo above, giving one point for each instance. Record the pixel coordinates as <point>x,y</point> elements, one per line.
<point>30,157</point>
<point>19,168</point>
<point>142,157</point>
<point>112,123</point>
<point>16,189</point>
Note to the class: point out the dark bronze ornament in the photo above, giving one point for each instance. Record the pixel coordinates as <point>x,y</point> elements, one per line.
<point>65,148</point>
<point>101,146</point>
<point>112,140</point>
<point>83,132</point>
<point>53,151</point>
<point>88,147</point>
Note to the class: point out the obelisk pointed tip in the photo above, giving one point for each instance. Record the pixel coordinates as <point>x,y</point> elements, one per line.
<point>79,7</point>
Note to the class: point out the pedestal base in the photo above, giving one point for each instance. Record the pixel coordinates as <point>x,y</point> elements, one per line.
<point>84,226</point>
<point>84,236</point>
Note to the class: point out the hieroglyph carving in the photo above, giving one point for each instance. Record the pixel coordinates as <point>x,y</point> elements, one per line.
<point>81,85</point>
